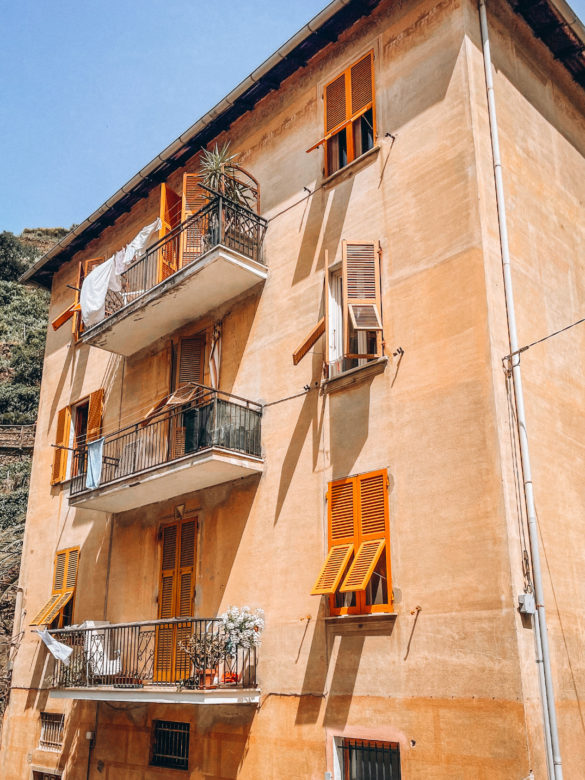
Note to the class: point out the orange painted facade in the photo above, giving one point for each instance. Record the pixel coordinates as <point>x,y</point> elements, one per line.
<point>420,645</point>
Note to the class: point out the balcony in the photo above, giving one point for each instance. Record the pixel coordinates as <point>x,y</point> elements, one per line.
<point>211,438</point>
<point>145,662</point>
<point>210,258</point>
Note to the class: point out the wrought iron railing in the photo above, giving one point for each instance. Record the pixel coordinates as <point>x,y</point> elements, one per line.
<point>220,222</point>
<point>210,418</point>
<point>190,653</point>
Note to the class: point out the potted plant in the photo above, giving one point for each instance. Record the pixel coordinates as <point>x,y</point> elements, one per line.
<point>205,652</point>
<point>243,630</point>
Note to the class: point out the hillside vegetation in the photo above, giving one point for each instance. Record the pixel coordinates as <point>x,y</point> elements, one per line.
<point>23,326</point>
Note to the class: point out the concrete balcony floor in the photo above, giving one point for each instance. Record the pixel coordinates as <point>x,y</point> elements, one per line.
<point>192,472</point>
<point>199,287</point>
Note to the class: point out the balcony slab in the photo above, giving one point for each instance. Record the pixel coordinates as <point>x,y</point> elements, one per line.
<point>188,474</point>
<point>156,695</point>
<point>201,286</point>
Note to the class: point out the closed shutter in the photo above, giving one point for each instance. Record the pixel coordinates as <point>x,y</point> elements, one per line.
<point>361,78</point>
<point>175,597</point>
<point>191,360</point>
<point>95,414</point>
<point>335,103</point>
<point>59,471</point>
<point>361,292</point>
<point>64,582</point>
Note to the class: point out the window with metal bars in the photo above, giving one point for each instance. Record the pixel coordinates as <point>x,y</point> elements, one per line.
<point>170,744</point>
<point>51,731</point>
<point>368,760</point>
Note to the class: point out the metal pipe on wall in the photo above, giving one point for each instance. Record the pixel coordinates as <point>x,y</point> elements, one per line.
<point>548,697</point>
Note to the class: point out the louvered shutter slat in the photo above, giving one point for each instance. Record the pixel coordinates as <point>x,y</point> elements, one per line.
<point>361,289</point>
<point>361,84</point>
<point>62,437</point>
<point>335,103</point>
<point>373,504</point>
<point>332,570</point>
<point>191,360</point>
<point>341,510</point>
<point>72,561</point>
<point>95,414</point>
<point>59,575</point>
<point>363,566</point>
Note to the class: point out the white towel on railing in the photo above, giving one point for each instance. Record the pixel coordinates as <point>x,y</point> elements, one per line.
<point>95,452</point>
<point>107,276</point>
<point>57,649</point>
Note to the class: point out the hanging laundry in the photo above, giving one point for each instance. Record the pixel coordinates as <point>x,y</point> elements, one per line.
<point>95,452</point>
<point>57,649</point>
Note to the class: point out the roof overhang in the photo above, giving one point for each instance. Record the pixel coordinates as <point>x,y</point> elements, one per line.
<point>322,30</point>
<point>553,21</point>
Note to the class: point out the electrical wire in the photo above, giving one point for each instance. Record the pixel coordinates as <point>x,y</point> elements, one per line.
<point>544,338</point>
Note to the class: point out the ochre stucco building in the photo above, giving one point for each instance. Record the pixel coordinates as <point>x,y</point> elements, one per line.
<point>185,462</point>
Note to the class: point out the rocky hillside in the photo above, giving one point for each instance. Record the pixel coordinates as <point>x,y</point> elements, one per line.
<point>23,325</point>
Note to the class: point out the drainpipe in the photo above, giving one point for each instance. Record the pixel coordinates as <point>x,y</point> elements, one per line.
<point>547,696</point>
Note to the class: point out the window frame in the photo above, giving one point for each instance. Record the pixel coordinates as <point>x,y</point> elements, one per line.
<point>356,539</point>
<point>84,269</point>
<point>50,721</point>
<point>341,745</point>
<point>351,118</point>
<point>153,744</point>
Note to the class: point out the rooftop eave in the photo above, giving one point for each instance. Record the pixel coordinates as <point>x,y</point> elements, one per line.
<point>324,28</point>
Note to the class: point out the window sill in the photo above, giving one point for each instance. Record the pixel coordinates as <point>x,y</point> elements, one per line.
<point>351,167</point>
<point>356,620</point>
<point>354,375</point>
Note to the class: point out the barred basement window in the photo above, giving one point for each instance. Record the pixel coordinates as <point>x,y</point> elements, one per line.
<point>170,744</point>
<point>51,731</point>
<point>364,760</point>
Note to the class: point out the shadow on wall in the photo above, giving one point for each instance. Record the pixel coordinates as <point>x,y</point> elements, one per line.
<point>339,198</point>
<point>309,416</point>
<point>225,510</point>
<point>220,744</point>
<point>349,417</point>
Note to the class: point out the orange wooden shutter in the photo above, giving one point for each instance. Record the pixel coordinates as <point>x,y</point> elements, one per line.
<point>170,215</point>
<point>65,316</point>
<point>165,635</point>
<point>59,471</point>
<point>310,341</point>
<point>372,529</point>
<point>64,581</point>
<point>194,199</point>
<point>341,525</point>
<point>335,103</point>
<point>186,569</point>
<point>95,414</point>
<point>361,290</point>
<point>362,90</point>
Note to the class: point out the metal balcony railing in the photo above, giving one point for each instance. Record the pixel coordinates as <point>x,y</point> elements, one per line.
<point>210,418</point>
<point>190,653</point>
<point>220,222</point>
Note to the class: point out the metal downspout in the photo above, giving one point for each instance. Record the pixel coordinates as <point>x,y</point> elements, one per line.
<point>548,697</point>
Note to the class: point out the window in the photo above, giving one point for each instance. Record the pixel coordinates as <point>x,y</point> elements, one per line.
<point>353,310</point>
<point>175,597</point>
<point>58,609</point>
<point>51,731</point>
<point>349,115</point>
<point>40,775</point>
<point>358,759</point>
<point>170,744</point>
<point>76,425</point>
<point>356,572</point>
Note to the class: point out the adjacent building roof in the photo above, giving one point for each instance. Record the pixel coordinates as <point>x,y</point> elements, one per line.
<point>553,21</point>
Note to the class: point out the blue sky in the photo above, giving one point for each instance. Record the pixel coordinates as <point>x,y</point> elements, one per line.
<point>92,91</point>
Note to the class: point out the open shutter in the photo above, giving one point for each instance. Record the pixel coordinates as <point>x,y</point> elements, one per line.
<point>64,581</point>
<point>341,522</point>
<point>372,531</point>
<point>59,471</point>
<point>361,292</point>
<point>194,199</point>
<point>362,81</point>
<point>65,316</point>
<point>85,268</point>
<point>170,216</point>
<point>310,341</point>
<point>95,414</point>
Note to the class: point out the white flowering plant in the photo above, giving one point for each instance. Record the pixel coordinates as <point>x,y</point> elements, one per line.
<point>242,628</point>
